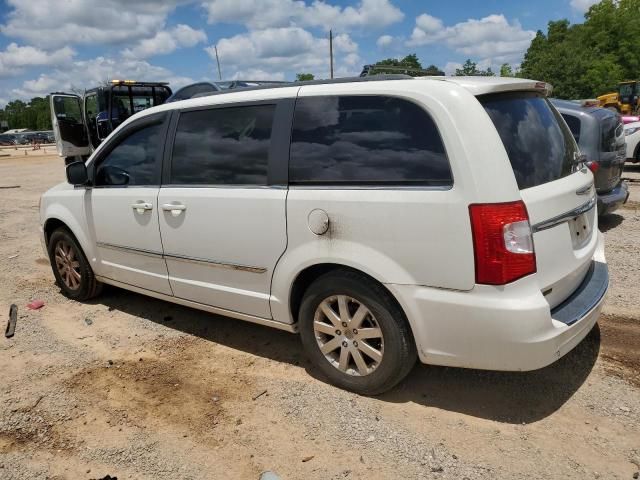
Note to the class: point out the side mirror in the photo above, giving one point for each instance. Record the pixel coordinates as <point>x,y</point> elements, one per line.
<point>77,174</point>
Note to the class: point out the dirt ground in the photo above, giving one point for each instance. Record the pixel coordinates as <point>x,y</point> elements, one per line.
<point>137,388</point>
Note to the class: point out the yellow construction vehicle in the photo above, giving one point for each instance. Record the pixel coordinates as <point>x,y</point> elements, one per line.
<point>625,100</point>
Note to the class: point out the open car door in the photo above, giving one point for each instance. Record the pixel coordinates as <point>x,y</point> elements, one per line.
<point>68,125</point>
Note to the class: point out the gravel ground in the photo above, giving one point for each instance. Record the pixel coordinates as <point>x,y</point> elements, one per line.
<point>142,389</point>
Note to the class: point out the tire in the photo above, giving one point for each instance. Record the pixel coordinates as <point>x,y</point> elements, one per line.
<point>66,257</point>
<point>382,316</point>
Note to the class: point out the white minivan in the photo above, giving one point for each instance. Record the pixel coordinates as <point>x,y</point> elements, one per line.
<point>383,218</point>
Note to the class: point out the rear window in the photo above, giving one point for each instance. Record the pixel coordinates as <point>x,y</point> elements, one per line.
<point>541,148</point>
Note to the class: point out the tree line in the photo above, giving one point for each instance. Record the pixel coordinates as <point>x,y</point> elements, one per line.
<point>588,59</point>
<point>33,115</point>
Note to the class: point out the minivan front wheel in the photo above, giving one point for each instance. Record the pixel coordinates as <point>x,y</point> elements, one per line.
<point>355,333</point>
<point>70,267</point>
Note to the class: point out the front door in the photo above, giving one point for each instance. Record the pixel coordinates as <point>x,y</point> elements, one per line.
<point>68,125</point>
<point>223,226</point>
<point>122,206</point>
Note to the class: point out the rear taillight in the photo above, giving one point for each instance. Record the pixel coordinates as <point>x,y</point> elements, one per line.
<point>593,166</point>
<point>502,242</point>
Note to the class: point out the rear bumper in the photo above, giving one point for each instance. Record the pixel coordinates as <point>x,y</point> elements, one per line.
<point>502,328</point>
<point>611,201</point>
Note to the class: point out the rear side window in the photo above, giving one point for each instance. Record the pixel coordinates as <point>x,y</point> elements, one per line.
<point>365,140</point>
<point>573,123</point>
<point>223,146</point>
<point>539,144</point>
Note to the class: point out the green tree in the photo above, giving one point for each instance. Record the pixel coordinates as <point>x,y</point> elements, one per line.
<point>506,70</point>
<point>304,77</point>
<point>35,115</point>
<point>409,65</point>
<point>588,59</point>
<point>470,68</point>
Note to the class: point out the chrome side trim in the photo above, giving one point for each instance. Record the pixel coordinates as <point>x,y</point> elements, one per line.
<point>213,263</point>
<point>182,258</point>
<point>287,327</point>
<point>141,251</point>
<point>565,217</point>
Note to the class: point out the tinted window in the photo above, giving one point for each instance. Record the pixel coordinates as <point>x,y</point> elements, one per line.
<point>365,140</point>
<point>67,109</point>
<point>573,123</point>
<point>134,157</point>
<point>610,128</point>
<point>223,146</point>
<point>539,144</point>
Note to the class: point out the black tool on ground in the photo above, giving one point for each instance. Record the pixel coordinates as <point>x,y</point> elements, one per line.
<point>13,318</point>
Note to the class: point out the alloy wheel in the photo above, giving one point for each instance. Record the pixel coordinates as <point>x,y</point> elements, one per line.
<point>348,335</point>
<point>68,265</point>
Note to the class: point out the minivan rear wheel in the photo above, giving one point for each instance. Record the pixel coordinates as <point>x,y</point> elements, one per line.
<point>70,267</point>
<point>355,333</point>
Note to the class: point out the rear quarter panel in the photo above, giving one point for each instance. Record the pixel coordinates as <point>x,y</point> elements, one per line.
<point>411,236</point>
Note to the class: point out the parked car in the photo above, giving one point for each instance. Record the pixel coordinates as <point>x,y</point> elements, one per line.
<point>7,139</point>
<point>384,218</point>
<point>203,89</point>
<point>632,135</point>
<point>599,133</point>
<point>190,90</point>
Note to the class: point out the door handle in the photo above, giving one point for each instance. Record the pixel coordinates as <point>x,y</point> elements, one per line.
<point>141,207</point>
<point>175,208</point>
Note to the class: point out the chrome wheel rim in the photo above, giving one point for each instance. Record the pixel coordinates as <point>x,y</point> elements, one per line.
<point>68,265</point>
<point>348,335</point>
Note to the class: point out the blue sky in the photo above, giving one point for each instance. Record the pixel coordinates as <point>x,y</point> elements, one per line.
<point>55,45</point>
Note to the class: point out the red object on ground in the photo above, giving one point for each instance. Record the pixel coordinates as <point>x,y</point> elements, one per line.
<point>35,304</point>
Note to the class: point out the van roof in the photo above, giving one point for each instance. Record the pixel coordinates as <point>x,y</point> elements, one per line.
<point>476,85</point>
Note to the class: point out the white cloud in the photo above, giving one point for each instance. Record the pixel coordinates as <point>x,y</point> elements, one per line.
<point>91,73</point>
<point>429,24</point>
<point>256,74</point>
<point>273,51</point>
<point>450,68</point>
<point>166,41</point>
<point>51,24</point>
<point>14,59</point>
<point>259,14</point>
<point>583,6</point>
<point>384,41</point>
<point>491,37</point>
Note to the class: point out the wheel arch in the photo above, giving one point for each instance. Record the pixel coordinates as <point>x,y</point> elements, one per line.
<point>60,217</point>
<point>310,273</point>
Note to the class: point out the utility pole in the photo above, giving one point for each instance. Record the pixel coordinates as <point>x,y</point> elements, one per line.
<point>218,62</point>
<point>331,50</point>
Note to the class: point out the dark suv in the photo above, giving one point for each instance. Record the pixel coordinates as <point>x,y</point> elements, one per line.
<point>600,136</point>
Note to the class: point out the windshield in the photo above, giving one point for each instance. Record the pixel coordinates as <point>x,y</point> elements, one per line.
<point>541,148</point>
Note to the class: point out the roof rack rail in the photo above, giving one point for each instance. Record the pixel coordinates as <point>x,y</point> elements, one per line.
<point>329,81</point>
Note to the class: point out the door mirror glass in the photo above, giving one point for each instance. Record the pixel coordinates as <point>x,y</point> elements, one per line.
<point>77,174</point>
<point>112,175</point>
